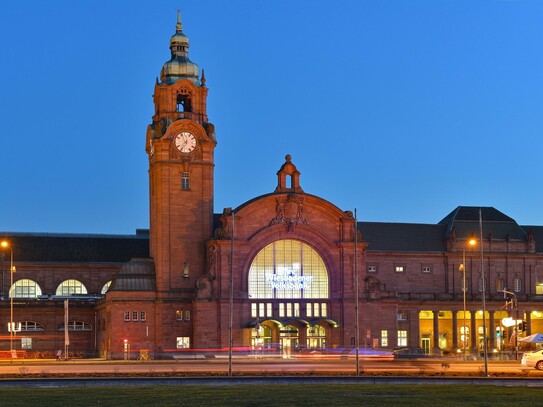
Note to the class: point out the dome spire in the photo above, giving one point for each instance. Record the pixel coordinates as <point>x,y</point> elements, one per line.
<point>179,66</point>
<point>179,26</point>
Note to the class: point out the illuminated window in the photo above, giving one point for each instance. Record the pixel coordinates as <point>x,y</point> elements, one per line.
<point>269,309</point>
<point>182,342</point>
<point>254,312</point>
<point>25,289</point>
<point>384,338</point>
<point>26,343</point>
<point>324,309</point>
<point>289,309</point>
<point>281,310</point>
<point>499,284</point>
<point>426,269</point>
<point>296,309</point>
<point>399,269</point>
<point>185,180</point>
<point>31,326</point>
<point>402,338</point>
<point>372,269</point>
<point>317,309</point>
<point>76,326</point>
<point>187,315</point>
<point>179,315</point>
<point>105,287</point>
<point>517,284</point>
<point>71,287</point>
<point>288,269</point>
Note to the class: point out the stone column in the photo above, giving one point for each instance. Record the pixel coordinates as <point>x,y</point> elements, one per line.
<point>473,334</point>
<point>455,330</point>
<point>436,333</point>
<point>491,334</point>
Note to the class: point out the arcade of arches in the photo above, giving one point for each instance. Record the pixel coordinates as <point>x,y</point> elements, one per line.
<point>451,331</point>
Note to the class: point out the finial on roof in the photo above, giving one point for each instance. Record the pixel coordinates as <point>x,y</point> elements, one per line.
<point>179,26</point>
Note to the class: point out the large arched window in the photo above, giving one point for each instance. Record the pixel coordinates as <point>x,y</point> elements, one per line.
<point>25,288</point>
<point>105,287</point>
<point>288,269</point>
<point>70,287</point>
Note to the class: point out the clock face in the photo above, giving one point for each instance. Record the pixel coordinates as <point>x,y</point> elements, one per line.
<point>185,142</point>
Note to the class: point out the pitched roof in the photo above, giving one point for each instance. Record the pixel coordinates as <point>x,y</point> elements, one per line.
<point>403,237</point>
<point>464,220</point>
<point>53,247</point>
<point>135,275</point>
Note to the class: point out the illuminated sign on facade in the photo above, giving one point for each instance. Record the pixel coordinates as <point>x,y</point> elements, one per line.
<point>288,279</point>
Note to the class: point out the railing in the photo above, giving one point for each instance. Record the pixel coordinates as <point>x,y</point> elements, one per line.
<point>472,297</point>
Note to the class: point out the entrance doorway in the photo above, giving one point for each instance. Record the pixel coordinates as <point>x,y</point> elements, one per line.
<point>426,344</point>
<point>288,340</point>
<point>261,338</point>
<point>316,337</point>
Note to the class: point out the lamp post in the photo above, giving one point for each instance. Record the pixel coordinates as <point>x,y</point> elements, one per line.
<point>5,244</point>
<point>485,345</point>
<point>356,321</point>
<point>471,242</point>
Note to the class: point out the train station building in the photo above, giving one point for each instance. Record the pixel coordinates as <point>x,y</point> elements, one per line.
<point>282,271</point>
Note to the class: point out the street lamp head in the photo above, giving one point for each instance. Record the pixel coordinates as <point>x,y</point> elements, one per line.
<point>472,242</point>
<point>4,243</point>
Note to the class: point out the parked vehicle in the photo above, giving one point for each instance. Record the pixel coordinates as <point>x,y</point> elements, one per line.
<point>533,359</point>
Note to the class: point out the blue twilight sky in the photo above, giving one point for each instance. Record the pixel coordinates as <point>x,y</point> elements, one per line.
<point>403,109</point>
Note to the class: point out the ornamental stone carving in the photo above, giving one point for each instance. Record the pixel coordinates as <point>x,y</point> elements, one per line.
<point>289,211</point>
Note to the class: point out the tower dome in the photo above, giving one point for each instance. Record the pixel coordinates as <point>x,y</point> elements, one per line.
<point>179,66</point>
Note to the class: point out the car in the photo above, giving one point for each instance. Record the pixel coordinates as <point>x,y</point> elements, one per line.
<point>533,359</point>
<point>409,353</point>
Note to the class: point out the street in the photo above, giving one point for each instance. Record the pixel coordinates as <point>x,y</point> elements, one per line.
<point>252,366</point>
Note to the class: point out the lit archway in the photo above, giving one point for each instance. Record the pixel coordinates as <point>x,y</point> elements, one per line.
<point>288,269</point>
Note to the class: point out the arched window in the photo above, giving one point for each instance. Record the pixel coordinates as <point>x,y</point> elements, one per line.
<point>499,283</point>
<point>288,269</point>
<point>517,284</point>
<point>461,284</point>
<point>76,326</point>
<point>31,326</point>
<point>105,287</point>
<point>25,288</point>
<point>480,284</point>
<point>70,287</point>
<point>372,284</point>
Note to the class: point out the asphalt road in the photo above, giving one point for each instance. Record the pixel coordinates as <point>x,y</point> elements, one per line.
<point>253,366</point>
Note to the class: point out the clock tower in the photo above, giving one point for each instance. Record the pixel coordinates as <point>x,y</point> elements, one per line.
<point>180,144</point>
